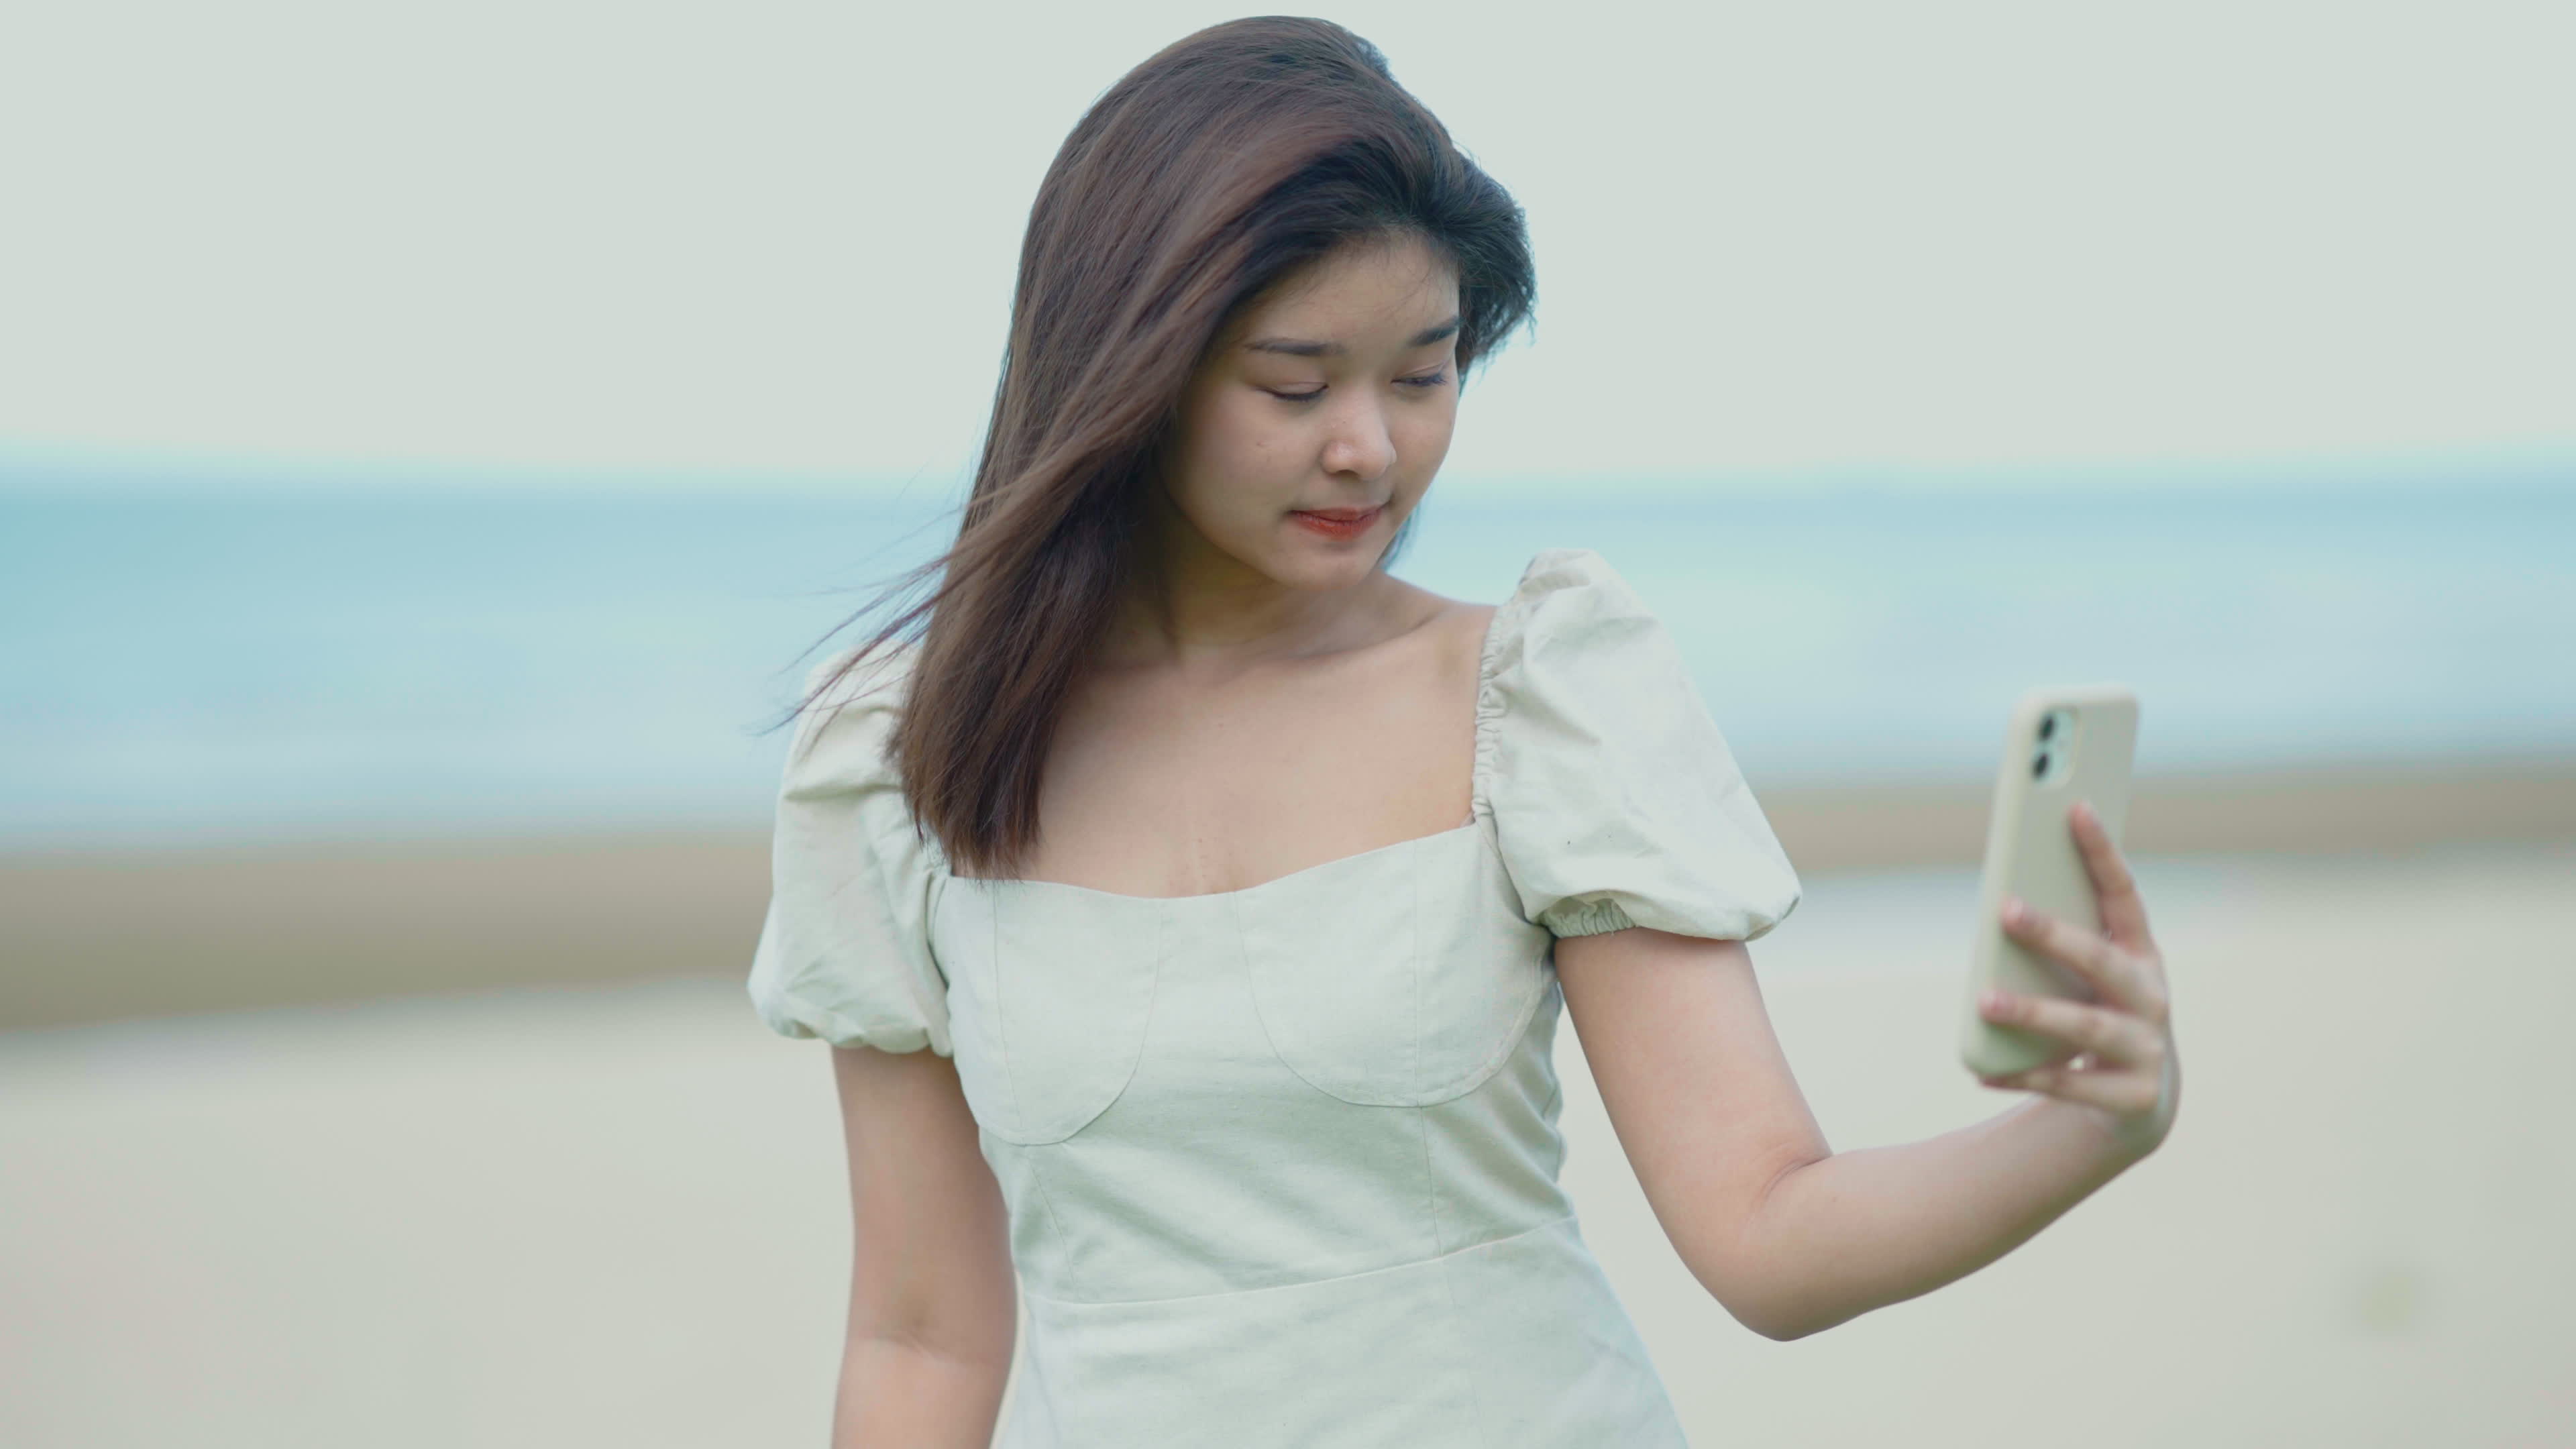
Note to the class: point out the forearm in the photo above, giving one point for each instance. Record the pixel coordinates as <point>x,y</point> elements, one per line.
<point>897,1395</point>
<point>1859,1230</point>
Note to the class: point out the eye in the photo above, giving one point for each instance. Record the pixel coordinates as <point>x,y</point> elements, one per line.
<point>1294,396</point>
<point>1427,380</point>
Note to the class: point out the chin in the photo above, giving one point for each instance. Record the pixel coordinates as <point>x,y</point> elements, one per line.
<point>1322,568</point>
<point>1317,566</point>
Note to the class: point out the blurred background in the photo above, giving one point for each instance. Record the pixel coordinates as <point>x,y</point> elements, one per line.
<point>434,441</point>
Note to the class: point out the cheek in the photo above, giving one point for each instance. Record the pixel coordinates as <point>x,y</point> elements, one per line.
<point>1238,467</point>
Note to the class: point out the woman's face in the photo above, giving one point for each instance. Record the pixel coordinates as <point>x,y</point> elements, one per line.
<point>1319,421</point>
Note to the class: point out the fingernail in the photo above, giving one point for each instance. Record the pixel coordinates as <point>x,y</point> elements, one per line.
<point>2013,910</point>
<point>1993,1000</point>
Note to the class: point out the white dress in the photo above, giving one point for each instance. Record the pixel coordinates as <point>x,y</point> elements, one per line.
<point>1281,1163</point>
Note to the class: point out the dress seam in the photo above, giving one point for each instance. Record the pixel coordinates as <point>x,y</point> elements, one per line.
<point>1049,1298</point>
<point>1002,1048</point>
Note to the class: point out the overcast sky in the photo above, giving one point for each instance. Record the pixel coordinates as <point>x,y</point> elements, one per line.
<point>778,238</point>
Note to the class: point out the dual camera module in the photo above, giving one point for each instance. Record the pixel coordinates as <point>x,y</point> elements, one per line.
<point>2055,750</point>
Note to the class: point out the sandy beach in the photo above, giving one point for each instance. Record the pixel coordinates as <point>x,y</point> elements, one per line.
<point>479,1144</point>
<point>110,935</point>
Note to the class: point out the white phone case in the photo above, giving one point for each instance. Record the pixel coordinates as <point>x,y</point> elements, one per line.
<point>2064,744</point>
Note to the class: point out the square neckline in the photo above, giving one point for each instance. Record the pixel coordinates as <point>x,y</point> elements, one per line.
<point>1479,810</point>
<point>1475,825</point>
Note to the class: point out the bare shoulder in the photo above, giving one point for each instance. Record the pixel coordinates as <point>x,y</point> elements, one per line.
<point>1452,631</point>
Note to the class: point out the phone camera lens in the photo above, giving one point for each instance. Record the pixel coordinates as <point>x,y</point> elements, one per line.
<point>2047,725</point>
<point>2039,766</point>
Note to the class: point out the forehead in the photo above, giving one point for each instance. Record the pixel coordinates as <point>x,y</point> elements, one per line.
<point>1361,290</point>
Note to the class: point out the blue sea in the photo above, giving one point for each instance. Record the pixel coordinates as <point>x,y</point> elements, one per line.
<point>205,670</point>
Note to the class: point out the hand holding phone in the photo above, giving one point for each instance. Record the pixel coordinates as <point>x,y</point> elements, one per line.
<point>2068,997</point>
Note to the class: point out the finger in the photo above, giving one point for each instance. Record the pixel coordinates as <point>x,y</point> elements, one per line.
<point>2115,886</point>
<point>2123,1093</point>
<point>2116,975</point>
<point>2115,1038</point>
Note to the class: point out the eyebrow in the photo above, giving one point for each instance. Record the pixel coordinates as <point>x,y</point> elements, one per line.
<point>1299,347</point>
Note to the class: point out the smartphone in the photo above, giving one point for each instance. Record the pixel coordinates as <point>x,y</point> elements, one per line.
<point>2064,744</point>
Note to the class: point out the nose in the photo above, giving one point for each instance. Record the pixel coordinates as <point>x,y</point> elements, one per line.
<point>1359,445</point>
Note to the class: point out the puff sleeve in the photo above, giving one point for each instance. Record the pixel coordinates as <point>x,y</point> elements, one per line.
<point>844,953</point>
<point>1615,799</point>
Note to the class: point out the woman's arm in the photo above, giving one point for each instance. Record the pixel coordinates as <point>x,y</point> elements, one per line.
<point>933,1305</point>
<point>1793,1237</point>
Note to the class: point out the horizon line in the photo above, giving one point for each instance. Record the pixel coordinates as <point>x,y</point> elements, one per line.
<point>62,472</point>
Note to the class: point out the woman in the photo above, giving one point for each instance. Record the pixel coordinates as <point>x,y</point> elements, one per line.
<point>1191,907</point>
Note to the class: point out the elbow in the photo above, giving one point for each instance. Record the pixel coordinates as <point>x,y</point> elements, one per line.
<point>1769,1297</point>
<point>1784,1321</point>
<point>1786,1330</point>
<point>1756,1305</point>
<point>1781,1323</point>
<point>1758,1279</point>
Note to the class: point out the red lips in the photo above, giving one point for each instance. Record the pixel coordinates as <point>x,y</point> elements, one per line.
<point>1341,523</point>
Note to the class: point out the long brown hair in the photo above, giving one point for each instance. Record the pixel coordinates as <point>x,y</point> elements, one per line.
<point>1204,177</point>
